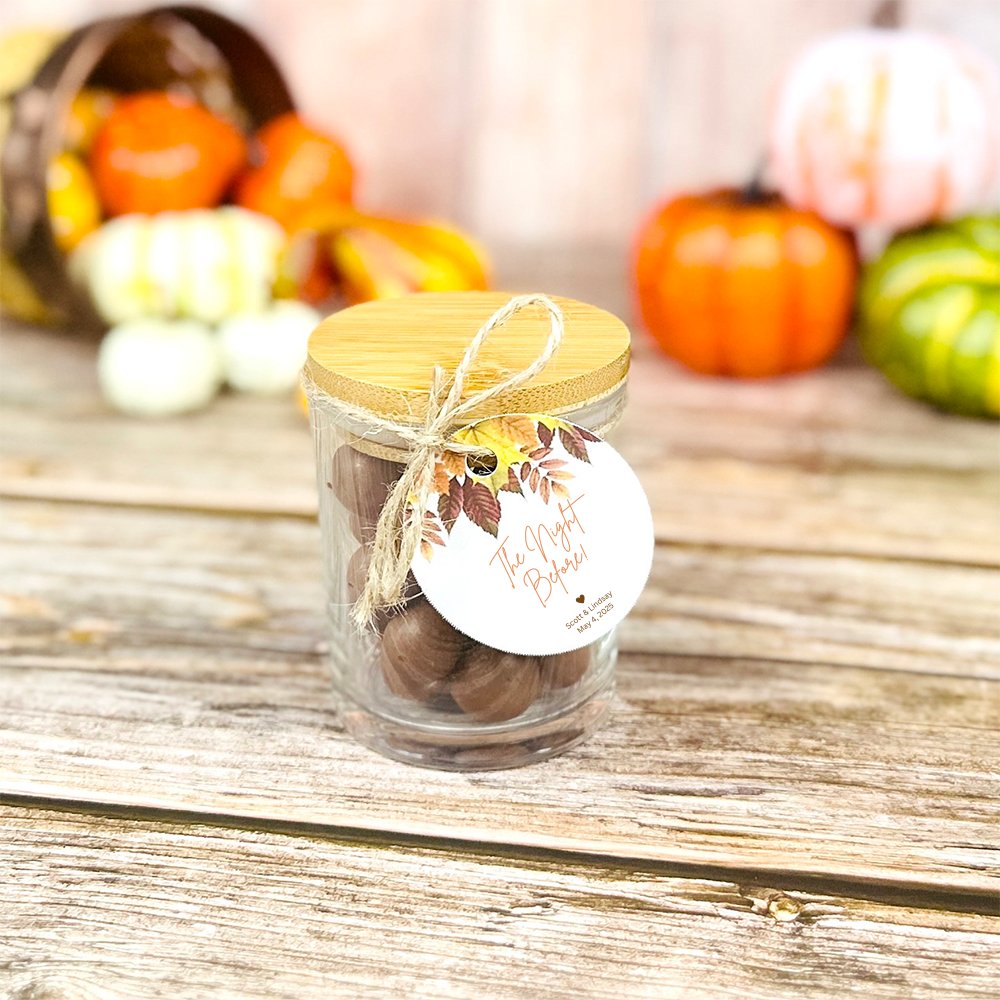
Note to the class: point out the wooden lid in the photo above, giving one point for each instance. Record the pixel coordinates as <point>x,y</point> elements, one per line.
<point>380,355</point>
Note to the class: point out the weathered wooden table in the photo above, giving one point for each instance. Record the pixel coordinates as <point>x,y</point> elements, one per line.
<point>797,795</point>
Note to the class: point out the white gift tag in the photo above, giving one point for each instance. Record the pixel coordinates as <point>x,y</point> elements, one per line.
<point>544,554</point>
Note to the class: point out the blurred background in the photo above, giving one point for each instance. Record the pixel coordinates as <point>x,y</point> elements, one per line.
<point>542,121</point>
<point>717,166</point>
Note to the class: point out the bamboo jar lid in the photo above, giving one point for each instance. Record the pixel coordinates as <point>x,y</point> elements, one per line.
<point>380,355</point>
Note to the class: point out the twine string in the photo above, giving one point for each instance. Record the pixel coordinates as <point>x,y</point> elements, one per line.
<point>400,523</point>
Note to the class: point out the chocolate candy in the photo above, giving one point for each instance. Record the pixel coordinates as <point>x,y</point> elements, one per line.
<point>493,686</point>
<point>419,650</point>
<point>362,483</point>
<point>564,669</point>
<point>357,574</point>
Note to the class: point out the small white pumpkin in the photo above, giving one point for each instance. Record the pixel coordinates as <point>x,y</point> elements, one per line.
<point>158,367</point>
<point>205,264</point>
<point>264,353</point>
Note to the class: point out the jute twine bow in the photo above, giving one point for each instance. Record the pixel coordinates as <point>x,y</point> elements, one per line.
<point>398,531</point>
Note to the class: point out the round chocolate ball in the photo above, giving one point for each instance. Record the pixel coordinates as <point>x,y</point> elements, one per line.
<point>563,670</point>
<point>362,483</point>
<point>493,686</point>
<point>357,576</point>
<point>419,650</point>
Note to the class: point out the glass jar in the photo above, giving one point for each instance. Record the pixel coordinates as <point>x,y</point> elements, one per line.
<point>412,687</point>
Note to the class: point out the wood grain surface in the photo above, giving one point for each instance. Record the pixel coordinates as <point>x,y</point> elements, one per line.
<point>806,724</point>
<point>380,355</point>
<point>795,465</point>
<point>172,660</point>
<point>150,908</point>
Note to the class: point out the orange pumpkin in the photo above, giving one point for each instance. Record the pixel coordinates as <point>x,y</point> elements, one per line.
<point>300,170</point>
<point>737,283</point>
<point>159,151</point>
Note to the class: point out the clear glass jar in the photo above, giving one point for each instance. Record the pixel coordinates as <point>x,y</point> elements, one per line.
<point>413,687</point>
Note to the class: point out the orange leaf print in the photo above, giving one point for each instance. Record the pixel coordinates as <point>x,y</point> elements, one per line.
<point>519,429</point>
<point>441,478</point>
<point>454,463</point>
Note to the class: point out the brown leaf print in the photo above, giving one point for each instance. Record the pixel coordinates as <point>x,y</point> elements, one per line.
<point>513,484</point>
<point>573,443</point>
<point>552,463</point>
<point>534,479</point>
<point>450,504</point>
<point>545,435</point>
<point>430,535</point>
<point>587,435</point>
<point>481,507</point>
<point>543,490</point>
<point>560,490</point>
<point>525,471</point>
<point>540,453</point>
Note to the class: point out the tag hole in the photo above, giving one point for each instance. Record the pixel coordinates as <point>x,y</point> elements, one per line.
<point>482,465</point>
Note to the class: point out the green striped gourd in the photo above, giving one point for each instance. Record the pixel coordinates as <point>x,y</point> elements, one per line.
<point>930,314</point>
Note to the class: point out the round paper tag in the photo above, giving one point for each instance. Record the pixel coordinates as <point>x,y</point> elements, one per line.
<point>545,553</point>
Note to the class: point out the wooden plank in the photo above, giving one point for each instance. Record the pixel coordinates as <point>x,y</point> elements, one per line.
<point>176,579</point>
<point>103,908</point>
<point>833,461</point>
<point>171,661</point>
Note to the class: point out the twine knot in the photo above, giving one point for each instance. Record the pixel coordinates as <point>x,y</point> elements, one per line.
<point>397,533</point>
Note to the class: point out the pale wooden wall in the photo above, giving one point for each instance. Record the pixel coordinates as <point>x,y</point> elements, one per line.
<point>544,120</point>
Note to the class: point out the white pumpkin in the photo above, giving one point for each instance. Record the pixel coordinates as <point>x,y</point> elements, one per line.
<point>158,367</point>
<point>205,264</point>
<point>264,353</point>
<point>887,126</point>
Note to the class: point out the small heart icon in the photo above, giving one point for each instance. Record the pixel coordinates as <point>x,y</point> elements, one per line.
<point>580,599</point>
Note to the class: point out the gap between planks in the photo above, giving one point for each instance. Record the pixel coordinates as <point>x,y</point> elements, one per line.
<point>139,498</point>
<point>872,890</point>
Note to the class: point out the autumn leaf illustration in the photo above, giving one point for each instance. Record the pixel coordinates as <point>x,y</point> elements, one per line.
<point>513,484</point>
<point>518,428</point>
<point>523,447</point>
<point>509,438</point>
<point>574,443</point>
<point>441,478</point>
<point>430,535</point>
<point>481,507</point>
<point>454,462</point>
<point>450,504</point>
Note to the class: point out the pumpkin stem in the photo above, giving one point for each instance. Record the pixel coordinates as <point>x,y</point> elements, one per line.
<point>753,192</point>
<point>888,14</point>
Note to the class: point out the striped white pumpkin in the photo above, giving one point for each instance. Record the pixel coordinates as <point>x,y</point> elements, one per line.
<point>887,126</point>
<point>203,264</point>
